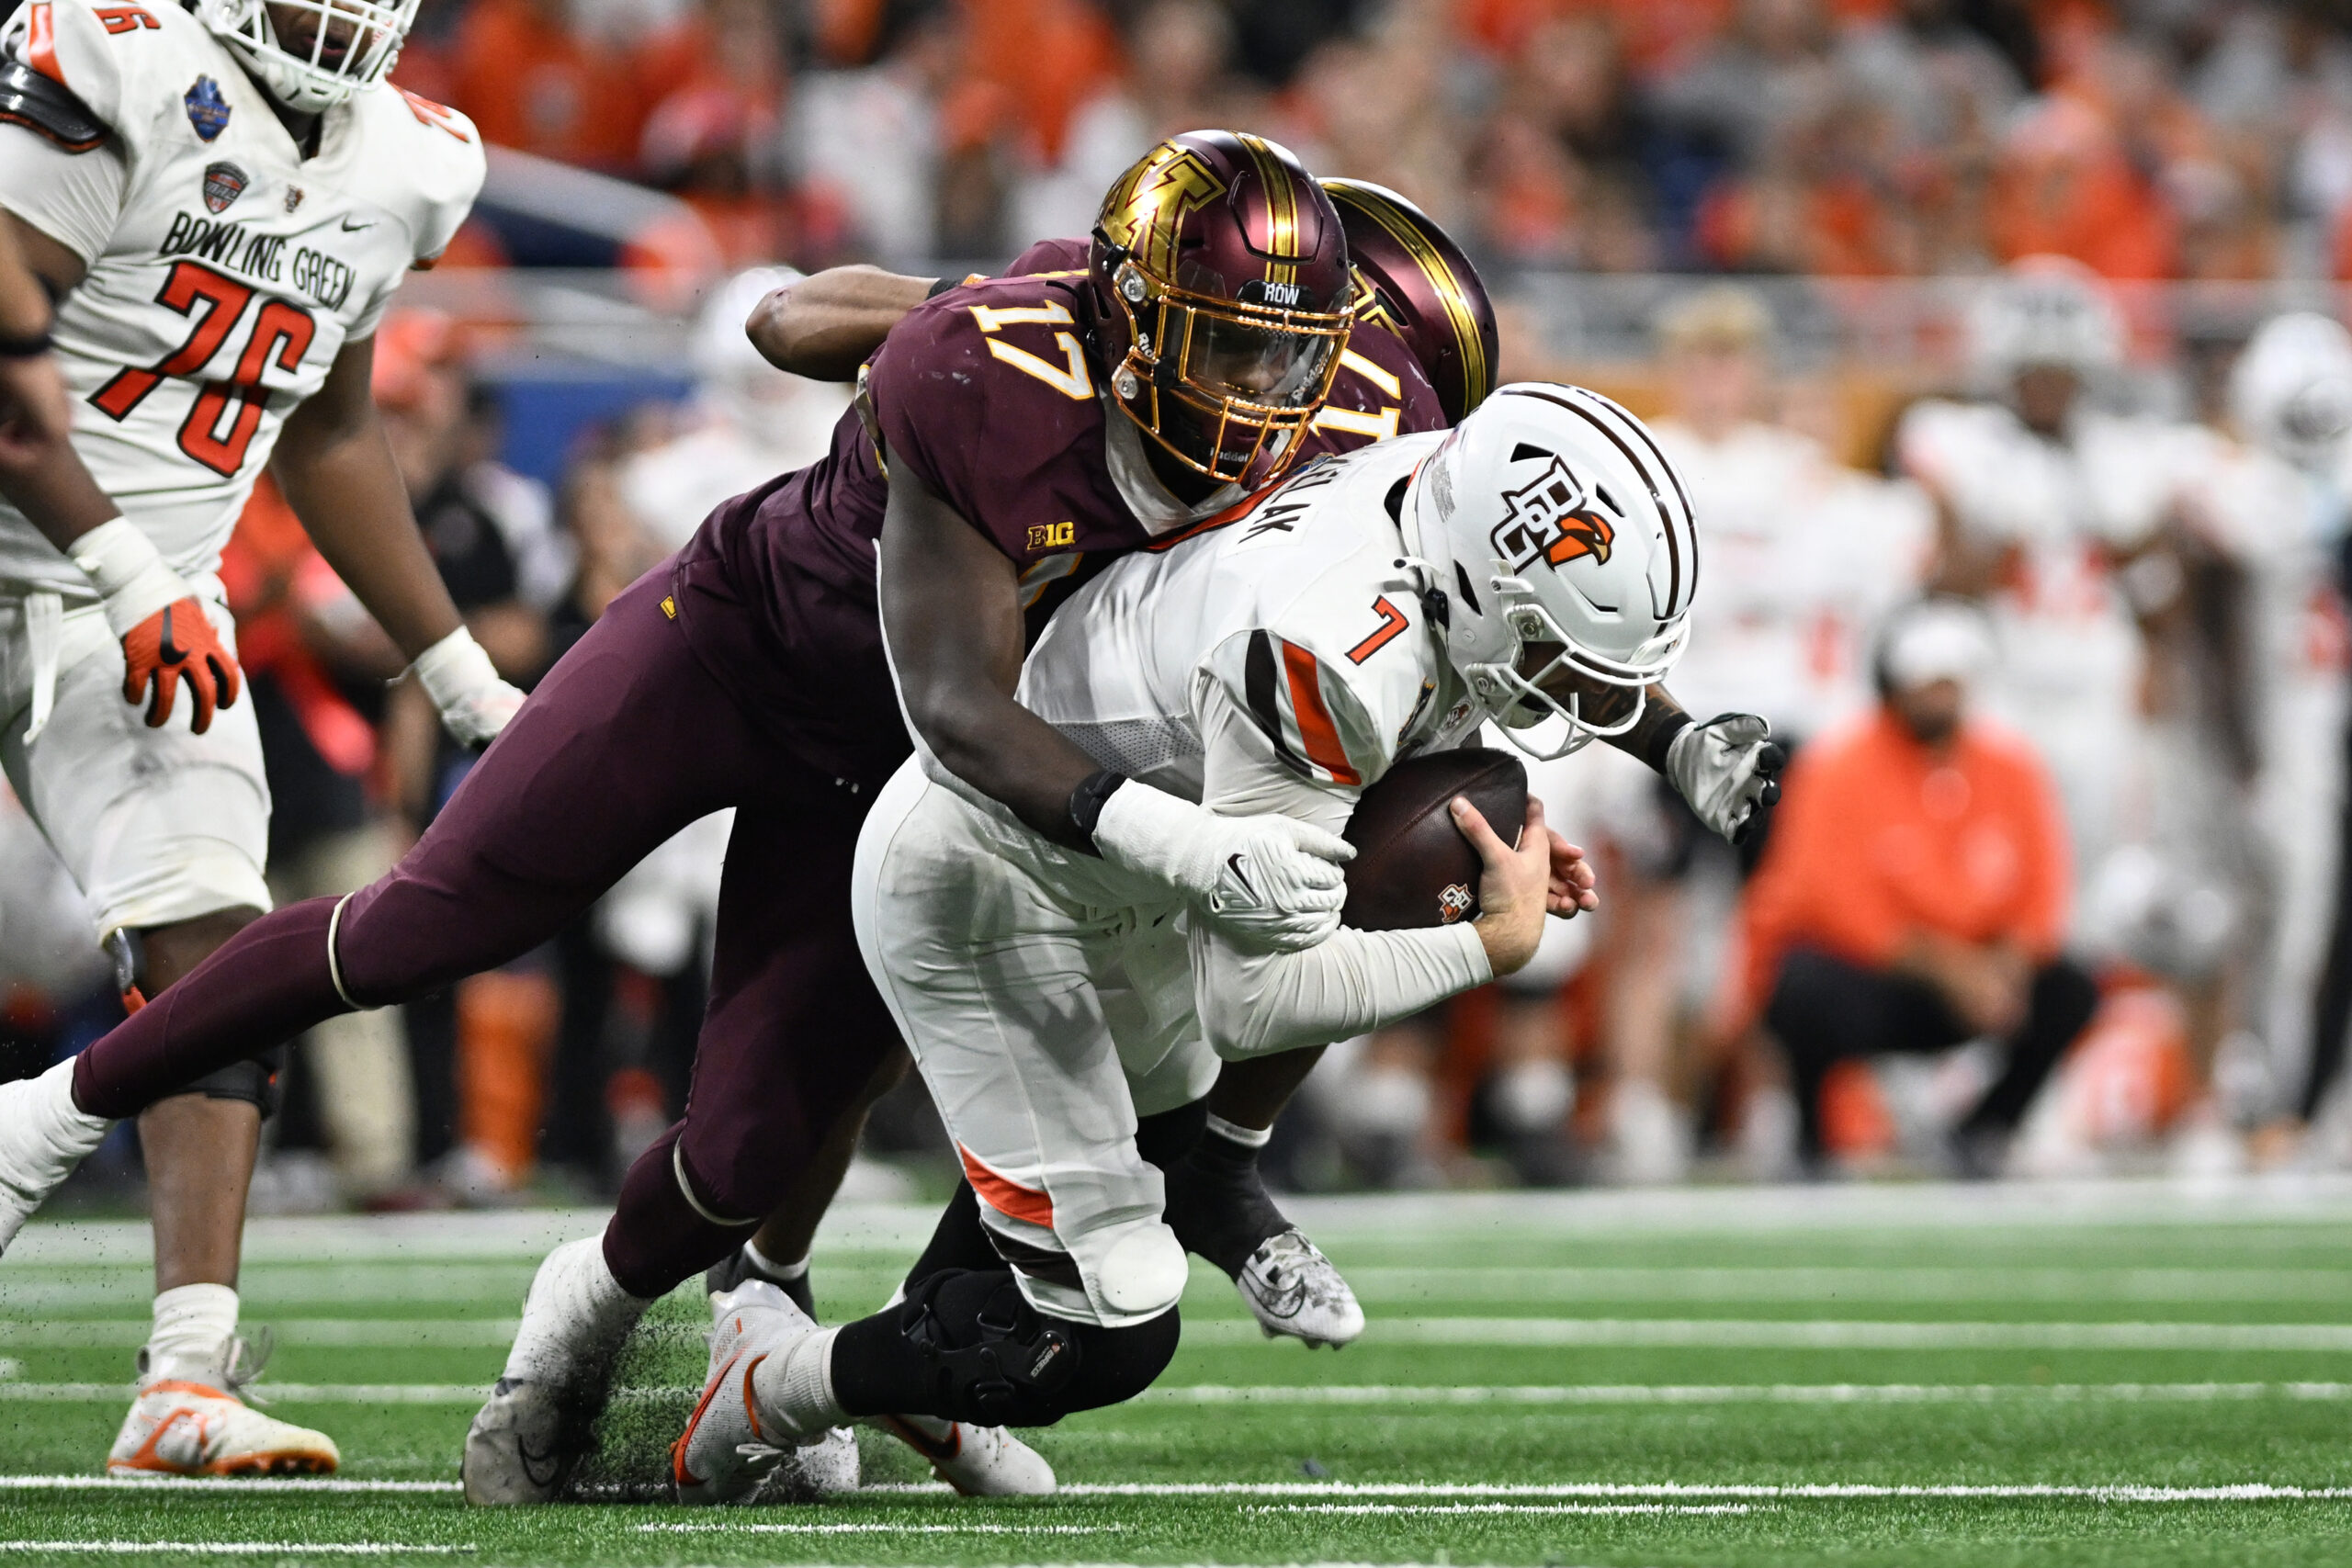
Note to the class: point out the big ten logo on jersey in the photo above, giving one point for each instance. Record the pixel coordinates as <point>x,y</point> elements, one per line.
<point>1052,536</point>
<point>1070,377</point>
<point>244,248</point>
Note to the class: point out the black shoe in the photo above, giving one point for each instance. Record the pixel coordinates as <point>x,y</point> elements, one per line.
<point>1219,1205</point>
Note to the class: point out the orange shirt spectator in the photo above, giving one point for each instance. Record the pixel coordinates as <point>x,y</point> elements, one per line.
<point>1878,838</point>
<point>531,82</point>
<point>1913,895</point>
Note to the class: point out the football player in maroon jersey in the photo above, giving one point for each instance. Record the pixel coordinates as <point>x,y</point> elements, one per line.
<point>1420,297</point>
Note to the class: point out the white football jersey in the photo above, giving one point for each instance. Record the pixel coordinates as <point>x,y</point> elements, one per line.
<point>1291,607</point>
<point>234,269</point>
<point>1803,555</point>
<point>2070,662</point>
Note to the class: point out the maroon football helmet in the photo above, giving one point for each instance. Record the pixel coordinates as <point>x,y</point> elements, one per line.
<point>1225,300</point>
<point>1423,288</point>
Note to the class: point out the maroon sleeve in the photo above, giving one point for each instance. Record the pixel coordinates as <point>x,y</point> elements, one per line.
<point>1051,255</point>
<point>986,394</point>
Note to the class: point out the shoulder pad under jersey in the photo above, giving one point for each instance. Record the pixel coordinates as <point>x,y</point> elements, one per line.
<point>46,108</point>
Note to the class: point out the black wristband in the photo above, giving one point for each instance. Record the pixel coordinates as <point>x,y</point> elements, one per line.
<point>1086,804</point>
<point>941,287</point>
<point>26,347</point>
<point>1654,753</point>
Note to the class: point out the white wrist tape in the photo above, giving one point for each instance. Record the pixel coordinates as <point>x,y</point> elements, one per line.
<point>124,566</point>
<point>454,670</point>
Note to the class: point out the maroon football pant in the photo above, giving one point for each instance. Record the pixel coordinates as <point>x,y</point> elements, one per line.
<point>626,740</point>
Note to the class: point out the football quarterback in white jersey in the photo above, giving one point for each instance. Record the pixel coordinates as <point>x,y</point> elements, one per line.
<point>2038,496</point>
<point>1534,564</point>
<point>222,199</point>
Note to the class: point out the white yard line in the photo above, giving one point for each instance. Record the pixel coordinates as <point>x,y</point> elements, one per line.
<point>275,1484</point>
<point>2252,1492</point>
<point>1702,1333</point>
<point>1698,1284</point>
<point>1741,1393</point>
<point>2115,1492</point>
<point>1459,1509</point>
<point>236,1547</point>
<point>879,1529</point>
<point>1801,1334</point>
<point>1456,1219</point>
<point>460,1393</point>
<point>467,1395</point>
<point>376,1334</point>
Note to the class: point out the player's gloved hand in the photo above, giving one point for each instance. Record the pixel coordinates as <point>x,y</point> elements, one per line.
<point>473,701</point>
<point>1270,881</point>
<point>166,637</point>
<point>1728,771</point>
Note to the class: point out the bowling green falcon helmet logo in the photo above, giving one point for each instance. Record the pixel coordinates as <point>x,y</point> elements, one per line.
<point>1551,518</point>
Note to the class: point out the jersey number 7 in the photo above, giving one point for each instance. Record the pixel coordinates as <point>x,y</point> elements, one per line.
<point>216,303</point>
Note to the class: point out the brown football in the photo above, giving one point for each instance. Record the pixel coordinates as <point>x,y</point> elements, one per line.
<point>1413,867</point>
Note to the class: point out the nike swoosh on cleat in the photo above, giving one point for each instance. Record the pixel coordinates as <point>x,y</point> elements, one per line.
<point>678,1470</point>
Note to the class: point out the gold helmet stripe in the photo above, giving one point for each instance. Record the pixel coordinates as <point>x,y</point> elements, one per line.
<point>1281,207</point>
<point>1478,376</point>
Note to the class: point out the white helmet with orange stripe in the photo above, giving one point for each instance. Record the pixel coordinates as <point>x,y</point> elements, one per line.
<point>1561,541</point>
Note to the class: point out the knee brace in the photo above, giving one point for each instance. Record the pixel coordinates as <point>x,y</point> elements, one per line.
<point>255,1082</point>
<point>990,1357</point>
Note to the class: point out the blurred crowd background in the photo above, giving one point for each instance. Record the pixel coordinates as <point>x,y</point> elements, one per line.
<point>1996,339</point>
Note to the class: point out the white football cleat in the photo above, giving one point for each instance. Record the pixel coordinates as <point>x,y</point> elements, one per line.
<point>540,1417</point>
<point>730,1445</point>
<point>1292,1289</point>
<point>182,1427</point>
<point>42,1138</point>
<point>978,1462</point>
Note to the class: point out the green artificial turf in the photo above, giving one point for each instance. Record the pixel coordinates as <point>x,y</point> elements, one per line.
<point>1718,1379</point>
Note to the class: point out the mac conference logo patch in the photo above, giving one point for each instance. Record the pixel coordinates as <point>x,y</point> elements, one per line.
<point>206,109</point>
<point>223,184</point>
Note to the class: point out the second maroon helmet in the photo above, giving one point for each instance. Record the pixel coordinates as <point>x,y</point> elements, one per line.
<point>1423,288</point>
<point>1225,300</point>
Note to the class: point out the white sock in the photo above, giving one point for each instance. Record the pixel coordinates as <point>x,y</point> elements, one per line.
<point>764,1265</point>
<point>1234,1133</point>
<point>576,1309</point>
<point>797,1388</point>
<point>72,1127</point>
<point>190,1340</point>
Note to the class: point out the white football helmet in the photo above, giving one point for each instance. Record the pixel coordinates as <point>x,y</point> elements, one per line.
<point>2290,391</point>
<point>2043,311</point>
<point>326,50</point>
<point>1550,516</point>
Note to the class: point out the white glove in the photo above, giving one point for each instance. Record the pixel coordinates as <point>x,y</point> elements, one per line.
<point>473,702</point>
<point>1271,882</point>
<point>1728,771</point>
